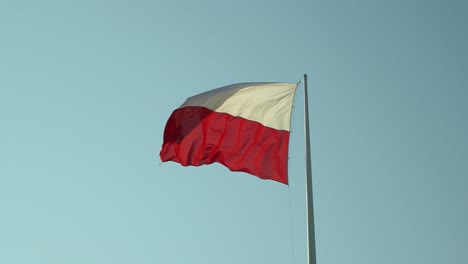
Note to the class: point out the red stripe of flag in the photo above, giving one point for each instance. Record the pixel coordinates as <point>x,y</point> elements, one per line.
<point>196,136</point>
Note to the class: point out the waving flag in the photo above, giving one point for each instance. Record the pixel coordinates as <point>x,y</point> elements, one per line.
<point>243,126</point>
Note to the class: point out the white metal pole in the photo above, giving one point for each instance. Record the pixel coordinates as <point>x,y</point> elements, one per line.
<point>310,204</point>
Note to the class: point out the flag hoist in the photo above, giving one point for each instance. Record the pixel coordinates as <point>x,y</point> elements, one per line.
<point>245,127</point>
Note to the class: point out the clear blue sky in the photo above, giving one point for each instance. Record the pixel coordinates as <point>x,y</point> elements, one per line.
<point>87,86</point>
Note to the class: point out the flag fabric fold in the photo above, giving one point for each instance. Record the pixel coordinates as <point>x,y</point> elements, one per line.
<point>243,126</point>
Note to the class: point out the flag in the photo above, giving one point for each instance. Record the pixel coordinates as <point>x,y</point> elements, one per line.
<point>243,126</point>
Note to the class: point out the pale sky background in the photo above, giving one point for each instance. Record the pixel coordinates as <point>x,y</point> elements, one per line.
<point>86,88</point>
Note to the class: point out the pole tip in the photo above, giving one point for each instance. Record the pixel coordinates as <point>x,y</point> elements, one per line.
<point>305,75</point>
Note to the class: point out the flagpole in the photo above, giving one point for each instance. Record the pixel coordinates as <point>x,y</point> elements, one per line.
<point>310,204</point>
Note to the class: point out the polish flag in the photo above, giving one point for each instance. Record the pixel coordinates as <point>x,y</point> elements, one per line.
<point>243,126</point>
